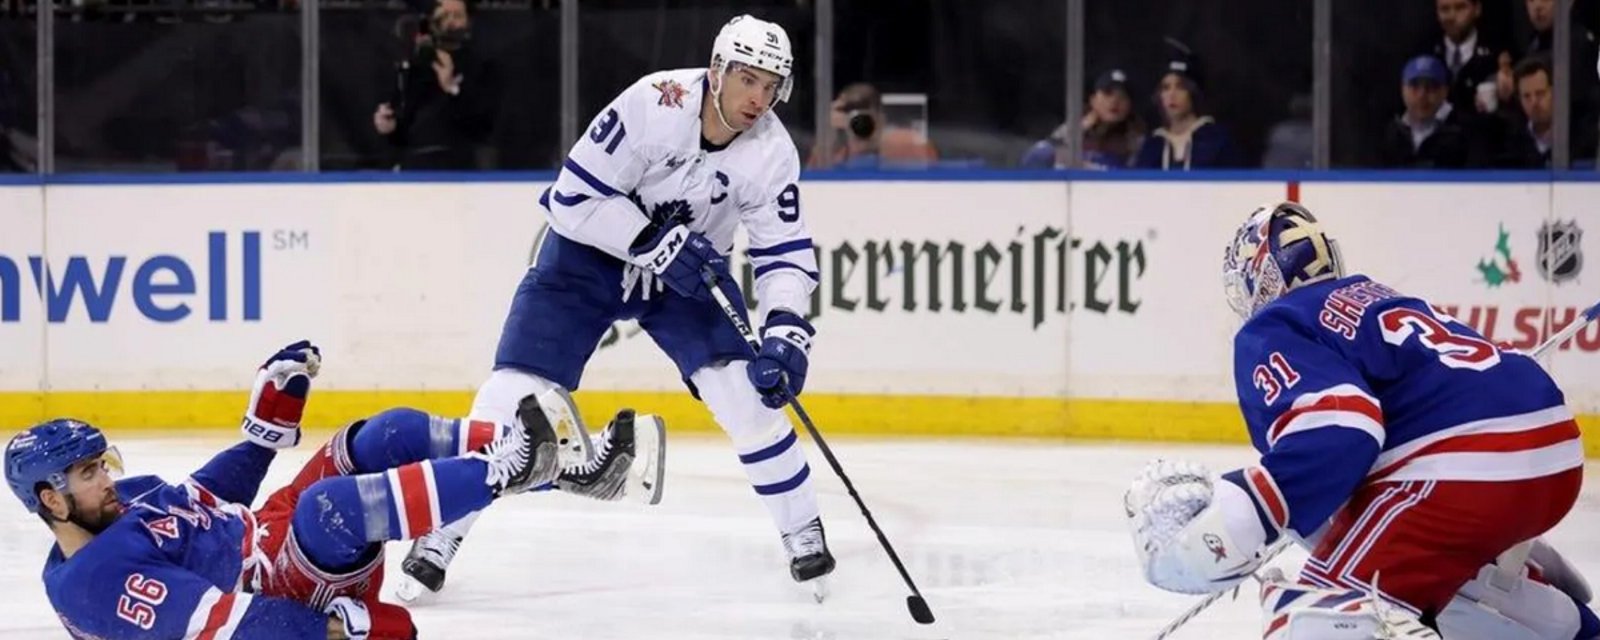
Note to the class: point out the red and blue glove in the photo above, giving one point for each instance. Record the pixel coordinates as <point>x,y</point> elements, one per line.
<point>278,398</point>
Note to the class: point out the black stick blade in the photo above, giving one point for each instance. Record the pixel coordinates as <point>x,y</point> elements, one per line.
<point>919,610</point>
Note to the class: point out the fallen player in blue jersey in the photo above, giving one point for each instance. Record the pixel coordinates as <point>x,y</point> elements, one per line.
<point>1411,455</point>
<point>140,558</point>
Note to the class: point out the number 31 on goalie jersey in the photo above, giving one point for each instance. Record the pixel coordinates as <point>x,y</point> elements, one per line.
<point>1399,325</point>
<point>1456,350</point>
<point>1267,380</point>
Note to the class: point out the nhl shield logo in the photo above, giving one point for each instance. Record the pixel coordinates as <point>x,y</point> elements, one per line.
<point>1560,251</point>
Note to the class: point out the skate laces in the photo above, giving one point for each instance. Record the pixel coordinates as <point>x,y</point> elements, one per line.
<point>602,453</point>
<point>807,541</point>
<point>505,456</point>
<point>439,546</point>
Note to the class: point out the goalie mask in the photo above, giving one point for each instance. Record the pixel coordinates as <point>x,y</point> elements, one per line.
<point>1278,249</point>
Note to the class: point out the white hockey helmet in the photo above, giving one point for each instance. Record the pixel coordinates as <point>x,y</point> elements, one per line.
<point>758,43</point>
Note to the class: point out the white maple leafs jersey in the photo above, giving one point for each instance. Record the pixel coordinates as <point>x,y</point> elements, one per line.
<point>642,159</point>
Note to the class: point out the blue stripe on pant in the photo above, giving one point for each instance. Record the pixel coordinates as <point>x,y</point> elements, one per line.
<point>787,485</point>
<point>776,468</point>
<point>772,451</point>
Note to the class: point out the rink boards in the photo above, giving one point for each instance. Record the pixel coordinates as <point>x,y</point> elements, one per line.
<point>1021,307</point>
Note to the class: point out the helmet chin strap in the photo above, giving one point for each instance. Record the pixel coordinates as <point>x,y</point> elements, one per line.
<point>716,98</point>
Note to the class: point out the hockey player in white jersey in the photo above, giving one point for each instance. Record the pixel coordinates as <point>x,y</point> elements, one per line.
<point>647,200</point>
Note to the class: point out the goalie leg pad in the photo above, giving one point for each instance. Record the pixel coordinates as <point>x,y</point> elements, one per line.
<point>1303,612</point>
<point>1529,610</point>
<point>1558,572</point>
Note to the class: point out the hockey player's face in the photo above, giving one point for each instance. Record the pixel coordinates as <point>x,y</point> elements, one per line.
<point>747,93</point>
<point>94,495</point>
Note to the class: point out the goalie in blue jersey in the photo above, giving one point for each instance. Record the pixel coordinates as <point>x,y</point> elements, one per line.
<point>1412,457</point>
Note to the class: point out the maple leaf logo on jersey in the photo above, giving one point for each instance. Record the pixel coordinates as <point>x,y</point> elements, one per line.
<point>1501,268</point>
<point>664,214</point>
<point>671,93</point>
<point>673,212</point>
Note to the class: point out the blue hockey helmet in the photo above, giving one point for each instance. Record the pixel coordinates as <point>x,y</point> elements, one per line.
<point>45,451</point>
<point>1280,247</point>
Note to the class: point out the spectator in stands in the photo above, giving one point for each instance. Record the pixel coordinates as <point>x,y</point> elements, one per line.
<point>863,139</point>
<point>1111,130</point>
<point>1289,142</point>
<point>1188,139</point>
<point>1429,134</point>
<point>1585,49</point>
<point>446,96</point>
<point>1529,143</point>
<point>1542,15</point>
<point>1479,67</point>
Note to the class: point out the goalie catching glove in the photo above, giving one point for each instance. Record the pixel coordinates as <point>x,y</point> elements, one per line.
<point>1188,535</point>
<point>278,398</point>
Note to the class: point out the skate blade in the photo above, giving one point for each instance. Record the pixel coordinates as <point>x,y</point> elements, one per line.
<point>647,474</point>
<point>412,593</point>
<point>572,435</point>
<point>819,588</point>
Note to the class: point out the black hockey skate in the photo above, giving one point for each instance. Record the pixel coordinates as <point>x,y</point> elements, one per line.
<point>523,459</point>
<point>628,462</point>
<point>426,562</point>
<point>809,558</point>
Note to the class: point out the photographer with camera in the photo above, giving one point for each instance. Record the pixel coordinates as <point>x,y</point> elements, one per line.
<point>857,119</point>
<point>863,139</point>
<point>445,98</point>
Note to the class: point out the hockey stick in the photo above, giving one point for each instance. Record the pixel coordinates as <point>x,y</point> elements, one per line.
<point>918,606</point>
<point>1566,333</point>
<point>1514,557</point>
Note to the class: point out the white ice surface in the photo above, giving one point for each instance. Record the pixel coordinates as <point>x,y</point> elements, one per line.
<point>1008,540</point>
